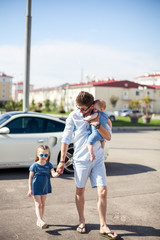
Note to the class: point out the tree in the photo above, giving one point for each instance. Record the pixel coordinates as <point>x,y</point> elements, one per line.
<point>61,108</point>
<point>33,105</point>
<point>134,116</point>
<point>10,105</point>
<point>47,105</point>
<point>147,117</point>
<point>113,100</point>
<point>39,107</point>
<point>54,105</point>
<point>147,100</point>
<point>134,104</point>
<point>19,105</point>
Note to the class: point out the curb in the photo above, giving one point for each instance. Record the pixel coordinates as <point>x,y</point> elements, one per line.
<point>136,128</point>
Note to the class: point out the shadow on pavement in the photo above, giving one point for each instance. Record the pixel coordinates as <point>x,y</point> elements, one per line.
<point>61,228</point>
<point>23,173</point>
<point>112,169</point>
<point>130,230</point>
<point>135,230</point>
<point>117,169</point>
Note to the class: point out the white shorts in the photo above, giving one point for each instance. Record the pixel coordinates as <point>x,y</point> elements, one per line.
<point>95,170</point>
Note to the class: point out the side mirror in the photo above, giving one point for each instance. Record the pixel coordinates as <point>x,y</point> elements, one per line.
<point>4,130</point>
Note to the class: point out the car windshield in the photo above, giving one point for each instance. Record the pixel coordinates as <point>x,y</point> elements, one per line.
<point>4,117</point>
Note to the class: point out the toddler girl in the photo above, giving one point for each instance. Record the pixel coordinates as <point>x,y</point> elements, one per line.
<point>99,108</point>
<point>39,181</point>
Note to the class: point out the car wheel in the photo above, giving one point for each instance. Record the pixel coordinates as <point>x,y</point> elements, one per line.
<point>112,118</point>
<point>68,160</point>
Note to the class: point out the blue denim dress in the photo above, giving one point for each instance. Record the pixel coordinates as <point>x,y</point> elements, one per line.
<point>41,184</point>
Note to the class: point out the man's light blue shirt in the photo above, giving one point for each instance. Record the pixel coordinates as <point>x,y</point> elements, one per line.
<point>80,130</point>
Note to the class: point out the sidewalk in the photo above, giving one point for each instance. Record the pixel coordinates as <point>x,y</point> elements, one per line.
<point>136,128</point>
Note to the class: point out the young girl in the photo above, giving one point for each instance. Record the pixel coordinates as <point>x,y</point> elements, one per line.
<point>39,181</point>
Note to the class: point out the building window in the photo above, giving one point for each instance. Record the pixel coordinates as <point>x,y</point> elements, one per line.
<point>137,93</point>
<point>3,90</point>
<point>148,93</point>
<point>4,84</point>
<point>3,80</point>
<point>125,106</point>
<point>125,95</point>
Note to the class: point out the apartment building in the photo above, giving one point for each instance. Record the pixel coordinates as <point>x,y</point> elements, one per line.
<point>17,88</point>
<point>5,87</point>
<point>125,91</point>
<point>149,79</point>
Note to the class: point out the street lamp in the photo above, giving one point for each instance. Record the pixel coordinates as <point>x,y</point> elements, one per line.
<point>27,59</point>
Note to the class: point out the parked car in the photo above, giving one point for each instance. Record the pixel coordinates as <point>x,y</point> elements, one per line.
<point>21,133</point>
<point>123,112</point>
<point>112,116</point>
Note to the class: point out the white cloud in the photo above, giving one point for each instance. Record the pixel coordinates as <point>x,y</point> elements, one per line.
<point>54,63</point>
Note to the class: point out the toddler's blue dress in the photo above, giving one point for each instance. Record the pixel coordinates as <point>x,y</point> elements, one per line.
<point>41,184</point>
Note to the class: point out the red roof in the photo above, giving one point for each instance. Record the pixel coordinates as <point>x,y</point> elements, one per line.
<point>154,86</point>
<point>112,83</point>
<point>18,83</point>
<point>153,75</point>
<point>4,75</point>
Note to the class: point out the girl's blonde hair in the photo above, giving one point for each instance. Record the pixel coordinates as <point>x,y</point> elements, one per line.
<point>42,147</point>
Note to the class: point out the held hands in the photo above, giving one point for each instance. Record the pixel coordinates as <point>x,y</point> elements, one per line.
<point>60,167</point>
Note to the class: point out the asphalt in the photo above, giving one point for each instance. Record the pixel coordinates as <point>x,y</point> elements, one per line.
<point>133,177</point>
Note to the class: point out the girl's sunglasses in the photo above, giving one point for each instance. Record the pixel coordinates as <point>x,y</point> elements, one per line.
<point>43,155</point>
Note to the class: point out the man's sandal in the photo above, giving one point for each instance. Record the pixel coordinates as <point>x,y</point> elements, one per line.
<point>82,228</point>
<point>107,235</point>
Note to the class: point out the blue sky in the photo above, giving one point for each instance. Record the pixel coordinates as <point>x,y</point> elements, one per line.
<point>95,39</point>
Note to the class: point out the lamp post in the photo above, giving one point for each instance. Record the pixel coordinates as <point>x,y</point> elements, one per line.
<point>27,59</point>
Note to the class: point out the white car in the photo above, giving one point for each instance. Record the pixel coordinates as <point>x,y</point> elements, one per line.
<point>112,116</point>
<point>123,112</point>
<point>21,133</point>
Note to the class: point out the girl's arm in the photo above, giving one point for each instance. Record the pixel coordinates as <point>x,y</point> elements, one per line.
<point>90,117</point>
<point>31,174</point>
<point>54,174</point>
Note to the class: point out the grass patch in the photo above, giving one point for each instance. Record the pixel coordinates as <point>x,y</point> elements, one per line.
<point>126,122</point>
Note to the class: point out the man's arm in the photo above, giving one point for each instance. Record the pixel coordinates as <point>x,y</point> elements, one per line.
<point>105,133</point>
<point>60,167</point>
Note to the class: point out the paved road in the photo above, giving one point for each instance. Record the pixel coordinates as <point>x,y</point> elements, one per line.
<point>133,169</point>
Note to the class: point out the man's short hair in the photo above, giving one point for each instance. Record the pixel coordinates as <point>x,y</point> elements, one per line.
<point>84,99</point>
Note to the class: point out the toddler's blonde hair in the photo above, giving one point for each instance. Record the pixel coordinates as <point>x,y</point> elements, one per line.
<point>101,103</point>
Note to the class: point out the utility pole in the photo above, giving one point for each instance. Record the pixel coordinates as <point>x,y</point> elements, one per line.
<point>27,59</point>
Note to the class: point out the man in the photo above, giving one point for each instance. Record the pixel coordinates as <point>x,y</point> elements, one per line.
<point>83,167</point>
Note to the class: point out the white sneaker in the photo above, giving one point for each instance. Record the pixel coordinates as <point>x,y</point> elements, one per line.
<point>41,224</point>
